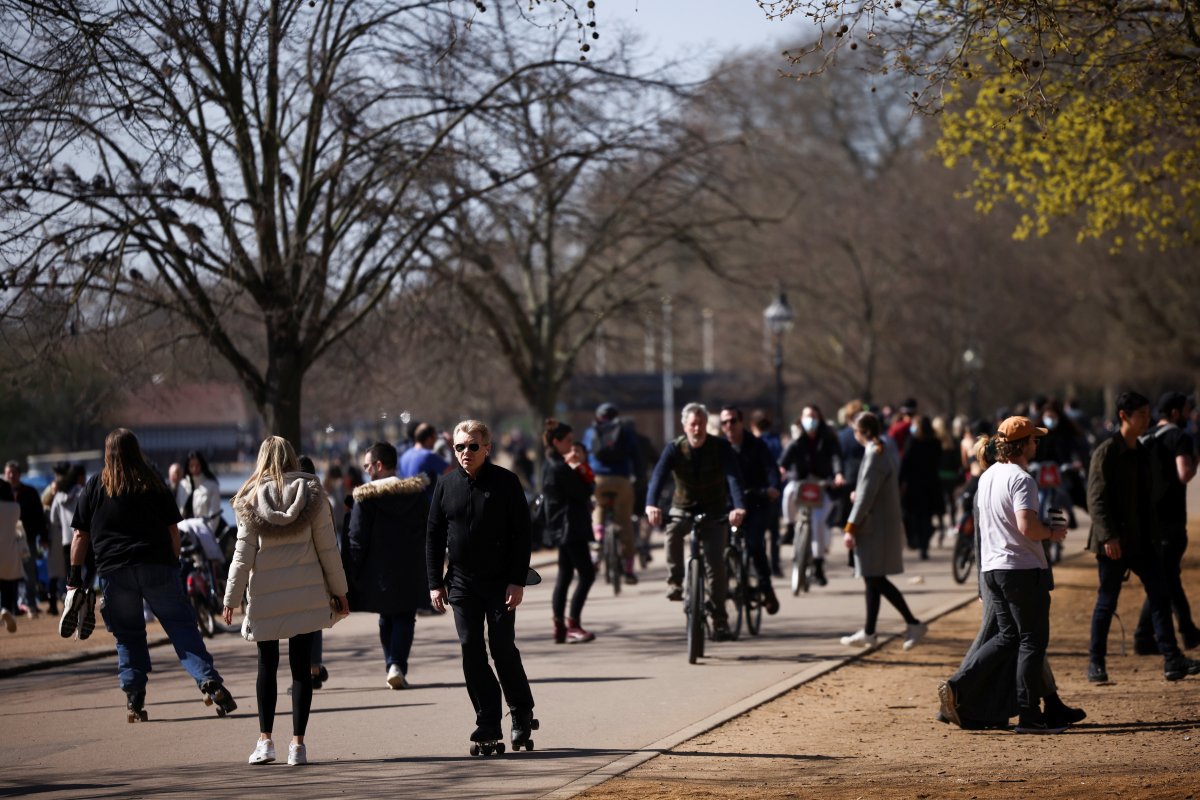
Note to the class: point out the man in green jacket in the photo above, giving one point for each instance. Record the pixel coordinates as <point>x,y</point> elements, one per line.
<point>1123,537</point>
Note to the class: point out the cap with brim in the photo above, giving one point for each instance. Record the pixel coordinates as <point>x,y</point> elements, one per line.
<point>1017,428</point>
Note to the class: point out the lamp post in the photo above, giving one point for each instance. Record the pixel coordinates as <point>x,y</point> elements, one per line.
<point>972,364</point>
<point>778,318</point>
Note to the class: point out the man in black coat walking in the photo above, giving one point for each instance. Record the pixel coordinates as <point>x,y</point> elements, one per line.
<point>387,549</point>
<point>480,516</point>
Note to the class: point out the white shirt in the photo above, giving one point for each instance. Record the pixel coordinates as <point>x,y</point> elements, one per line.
<point>1005,489</point>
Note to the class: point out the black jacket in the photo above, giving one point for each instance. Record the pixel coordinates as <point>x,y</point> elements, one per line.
<point>819,457</point>
<point>568,507</point>
<point>759,472</point>
<point>387,545</point>
<point>484,523</point>
<point>1120,498</point>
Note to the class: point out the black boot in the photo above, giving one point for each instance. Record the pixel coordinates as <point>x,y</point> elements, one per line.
<point>819,571</point>
<point>789,534</point>
<point>523,726</point>
<point>136,705</point>
<point>1059,714</point>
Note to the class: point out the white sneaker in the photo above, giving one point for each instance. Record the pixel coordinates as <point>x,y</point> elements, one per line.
<point>913,634</point>
<point>297,755</point>
<point>8,619</point>
<point>860,639</point>
<point>264,752</point>
<point>395,678</point>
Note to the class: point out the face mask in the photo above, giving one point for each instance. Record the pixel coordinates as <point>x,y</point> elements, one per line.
<point>809,424</point>
<point>1050,422</point>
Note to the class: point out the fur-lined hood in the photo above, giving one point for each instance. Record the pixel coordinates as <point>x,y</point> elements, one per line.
<point>390,486</point>
<point>270,511</point>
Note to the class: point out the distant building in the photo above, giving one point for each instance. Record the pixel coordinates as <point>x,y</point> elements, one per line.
<point>170,420</point>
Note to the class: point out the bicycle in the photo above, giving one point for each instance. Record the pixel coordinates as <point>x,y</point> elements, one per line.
<point>698,609</point>
<point>964,549</point>
<point>810,495</point>
<point>610,543</point>
<point>743,584</point>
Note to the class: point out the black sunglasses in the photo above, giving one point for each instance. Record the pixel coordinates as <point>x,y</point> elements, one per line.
<point>473,447</point>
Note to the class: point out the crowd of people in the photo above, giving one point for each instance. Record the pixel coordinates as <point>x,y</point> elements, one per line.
<point>442,525</point>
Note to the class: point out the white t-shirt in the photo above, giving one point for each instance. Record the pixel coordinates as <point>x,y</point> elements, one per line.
<point>1005,489</point>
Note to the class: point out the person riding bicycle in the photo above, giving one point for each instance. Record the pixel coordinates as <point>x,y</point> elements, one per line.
<point>708,482</point>
<point>761,489</point>
<point>816,455</point>
<point>613,455</point>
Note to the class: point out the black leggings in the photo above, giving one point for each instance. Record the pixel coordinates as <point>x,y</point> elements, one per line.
<point>879,586</point>
<point>300,660</point>
<point>573,557</point>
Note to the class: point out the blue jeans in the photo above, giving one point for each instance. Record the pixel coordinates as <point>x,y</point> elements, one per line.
<point>159,586</point>
<point>396,636</point>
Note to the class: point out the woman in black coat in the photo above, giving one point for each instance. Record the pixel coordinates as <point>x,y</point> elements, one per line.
<point>568,496</point>
<point>920,484</point>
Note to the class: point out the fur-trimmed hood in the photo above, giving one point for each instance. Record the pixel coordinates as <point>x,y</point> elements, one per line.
<point>390,486</point>
<point>275,510</point>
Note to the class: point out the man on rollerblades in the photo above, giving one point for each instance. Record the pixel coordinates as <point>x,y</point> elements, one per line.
<point>479,514</point>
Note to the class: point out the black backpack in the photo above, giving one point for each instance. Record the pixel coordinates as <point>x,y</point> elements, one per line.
<point>606,445</point>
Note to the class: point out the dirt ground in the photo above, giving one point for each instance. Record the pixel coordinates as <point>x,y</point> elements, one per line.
<point>867,730</point>
<point>38,639</point>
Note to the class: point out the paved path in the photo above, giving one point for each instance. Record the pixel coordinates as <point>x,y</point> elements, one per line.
<point>621,698</point>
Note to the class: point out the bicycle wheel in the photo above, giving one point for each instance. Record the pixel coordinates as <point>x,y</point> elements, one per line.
<point>753,600</point>
<point>735,599</point>
<point>802,558</point>
<point>612,557</point>
<point>695,611</point>
<point>964,559</point>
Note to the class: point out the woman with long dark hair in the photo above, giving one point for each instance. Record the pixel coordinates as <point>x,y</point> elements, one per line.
<point>127,515</point>
<point>875,531</point>
<point>569,528</point>
<point>287,564</point>
<point>199,493</point>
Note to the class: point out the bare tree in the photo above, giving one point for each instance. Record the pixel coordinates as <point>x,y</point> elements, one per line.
<point>279,163</point>
<point>621,188</point>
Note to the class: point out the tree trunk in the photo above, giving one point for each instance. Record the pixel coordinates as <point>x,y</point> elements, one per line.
<point>280,398</point>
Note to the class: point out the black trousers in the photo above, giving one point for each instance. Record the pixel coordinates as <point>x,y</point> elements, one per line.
<point>1148,569</point>
<point>300,661</point>
<point>1172,568</point>
<point>1022,606</point>
<point>573,558</point>
<point>475,602</point>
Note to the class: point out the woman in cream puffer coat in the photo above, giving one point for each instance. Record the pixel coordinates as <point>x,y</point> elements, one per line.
<point>288,565</point>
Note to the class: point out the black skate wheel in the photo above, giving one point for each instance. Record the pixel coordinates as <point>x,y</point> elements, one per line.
<point>500,749</point>
<point>529,745</point>
<point>220,711</point>
<point>535,725</point>
<point>208,701</point>
<point>474,749</point>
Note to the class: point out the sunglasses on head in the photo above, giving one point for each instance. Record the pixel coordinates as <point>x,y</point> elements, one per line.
<point>473,447</point>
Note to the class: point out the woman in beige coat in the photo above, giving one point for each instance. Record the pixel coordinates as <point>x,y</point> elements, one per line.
<point>875,531</point>
<point>288,565</point>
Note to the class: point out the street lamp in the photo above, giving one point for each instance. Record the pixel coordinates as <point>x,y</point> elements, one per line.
<point>778,318</point>
<point>972,363</point>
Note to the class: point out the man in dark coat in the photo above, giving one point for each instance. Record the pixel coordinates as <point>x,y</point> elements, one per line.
<point>480,517</point>
<point>387,550</point>
<point>33,518</point>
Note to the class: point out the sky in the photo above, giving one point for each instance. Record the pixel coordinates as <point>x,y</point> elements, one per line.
<point>704,29</point>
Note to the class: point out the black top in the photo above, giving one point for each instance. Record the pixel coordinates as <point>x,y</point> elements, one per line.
<point>1172,504</point>
<point>759,472</point>
<point>818,456</point>
<point>568,503</point>
<point>484,523</point>
<point>33,515</point>
<point>129,529</point>
<point>386,546</point>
